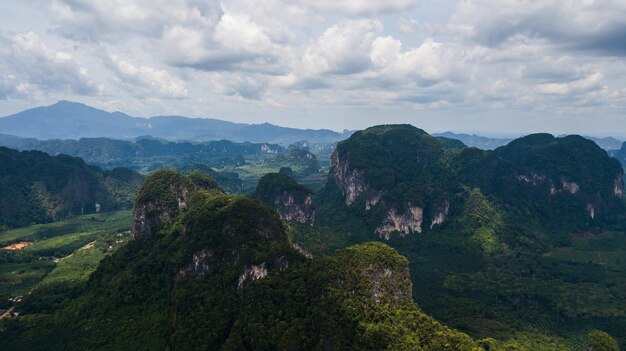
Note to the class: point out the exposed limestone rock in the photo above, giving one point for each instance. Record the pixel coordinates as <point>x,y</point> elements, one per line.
<point>404,223</point>
<point>373,200</point>
<point>252,273</point>
<point>538,179</point>
<point>618,188</point>
<point>292,201</point>
<point>155,210</point>
<point>350,182</point>
<point>289,209</point>
<point>301,250</point>
<point>570,187</point>
<point>440,217</point>
<point>199,264</point>
<point>533,178</point>
<point>267,149</point>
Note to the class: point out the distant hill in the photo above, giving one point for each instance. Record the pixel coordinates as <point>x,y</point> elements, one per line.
<point>607,143</point>
<point>109,153</point>
<point>38,188</point>
<point>474,140</point>
<point>487,143</point>
<point>619,154</point>
<point>70,120</point>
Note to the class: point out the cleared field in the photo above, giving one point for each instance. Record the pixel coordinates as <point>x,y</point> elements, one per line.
<point>19,278</point>
<point>119,220</point>
<point>61,251</point>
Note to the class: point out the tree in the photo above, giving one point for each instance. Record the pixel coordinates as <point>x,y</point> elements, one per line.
<point>601,341</point>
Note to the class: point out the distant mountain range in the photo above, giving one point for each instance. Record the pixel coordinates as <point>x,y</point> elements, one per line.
<point>70,120</point>
<point>110,153</point>
<point>486,143</point>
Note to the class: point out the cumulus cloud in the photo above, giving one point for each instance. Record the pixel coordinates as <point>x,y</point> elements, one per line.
<point>586,84</point>
<point>597,26</point>
<point>545,56</point>
<point>114,20</point>
<point>362,7</point>
<point>234,41</point>
<point>32,68</point>
<point>157,82</point>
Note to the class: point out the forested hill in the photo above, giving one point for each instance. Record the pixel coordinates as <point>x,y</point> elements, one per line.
<point>397,179</point>
<point>70,120</point>
<point>522,242</point>
<point>38,188</point>
<point>108,153</point>
<point>210,271</point>
<point>620,154</point>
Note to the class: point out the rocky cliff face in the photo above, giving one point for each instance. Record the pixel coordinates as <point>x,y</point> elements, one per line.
<point>292,201</point>
<point>440,216</point>
<point>164,194</point>
<point>290,207</point>
<point>404,222</point>
<point>394,173</point>
<point>618,187</point>
<point>352,182</point>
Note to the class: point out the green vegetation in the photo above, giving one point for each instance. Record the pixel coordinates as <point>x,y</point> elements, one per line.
<point>601,341</point>
<point>482,221</point>
<point>303,164</point>
<point>235,166</point>
<point>22,270</point>
<point>520,248</point>
<point>530,250</point>
<point>224,276</point>
<point>37,188</point>
<point>273,184</point>
<point>78,266</point>
<point>19,278</point>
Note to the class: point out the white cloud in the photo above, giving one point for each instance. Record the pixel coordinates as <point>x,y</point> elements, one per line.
<point>408,25</point>
<point>363,7</point>
<point>33,69</point>
<point>498,56</point>
<point>595,26</point>
<point>587,84</point>
<point>343,48</point>
<point>158,82</point>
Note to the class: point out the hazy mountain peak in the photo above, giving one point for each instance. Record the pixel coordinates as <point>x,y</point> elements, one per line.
<point>72,120</point>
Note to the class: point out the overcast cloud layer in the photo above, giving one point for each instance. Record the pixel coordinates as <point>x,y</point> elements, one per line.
<point>500,66</point>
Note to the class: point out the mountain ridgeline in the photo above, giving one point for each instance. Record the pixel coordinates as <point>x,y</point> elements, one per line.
<point>70,120</point>
<point>38,188</point>
<point>109,153</point>
<point>620,154</point>
<point>217,272</point>
<point>398,180</point>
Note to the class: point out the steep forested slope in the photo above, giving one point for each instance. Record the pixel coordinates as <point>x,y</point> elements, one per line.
<point>37,188</point>
<point>213,271</point>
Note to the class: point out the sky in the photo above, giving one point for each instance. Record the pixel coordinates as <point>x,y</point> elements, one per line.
<point>497,67</point>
